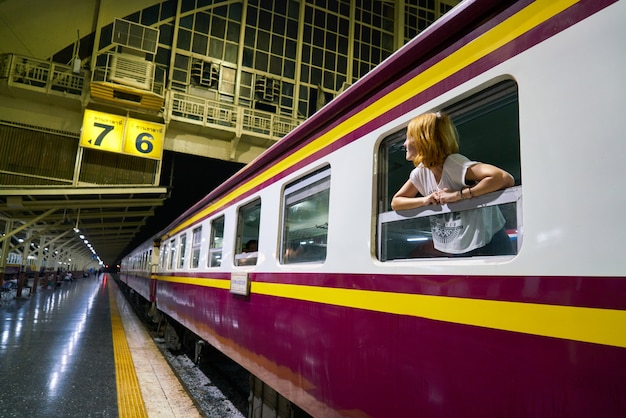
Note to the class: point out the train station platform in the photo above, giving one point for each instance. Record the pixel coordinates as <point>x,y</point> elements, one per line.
<point>79,350</point>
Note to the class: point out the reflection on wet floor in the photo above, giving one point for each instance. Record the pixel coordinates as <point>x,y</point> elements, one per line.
<point>56,353</point>
<point>57,357</point>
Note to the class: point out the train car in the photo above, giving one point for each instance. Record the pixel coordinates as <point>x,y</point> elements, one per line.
<point>298,269</point>
<point>136,270</point>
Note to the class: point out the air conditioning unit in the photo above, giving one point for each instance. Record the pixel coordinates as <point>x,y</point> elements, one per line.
<point>131,71</point>
<point>204,73</point>
<point>266,89</point>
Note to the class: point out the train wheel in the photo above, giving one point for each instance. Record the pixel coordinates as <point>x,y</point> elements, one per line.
<point>172,341</point>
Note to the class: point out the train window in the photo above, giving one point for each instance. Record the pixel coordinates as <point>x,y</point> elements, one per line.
<point>170,261</point>
<point>215,245</point>
<point>196,240</point>
<point>164,255</point>
<point>248,223</point>
<point>305,219</point>
<point>488,127</point>
<point>182,252</point>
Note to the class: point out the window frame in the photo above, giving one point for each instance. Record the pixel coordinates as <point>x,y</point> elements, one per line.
<point>215,253</point>
<point>481,104</point>
<point>243,236</point>
<point>196,247</point>
<point>172,245</point>
<point>304,189</point>
<point>182,251</point>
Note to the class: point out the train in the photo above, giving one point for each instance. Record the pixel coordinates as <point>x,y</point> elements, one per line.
<point>298,269</point>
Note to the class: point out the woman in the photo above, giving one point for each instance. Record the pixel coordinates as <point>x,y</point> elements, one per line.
<point>442,176</point>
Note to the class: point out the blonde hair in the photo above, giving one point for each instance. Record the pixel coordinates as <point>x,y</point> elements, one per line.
<point>435,138</point>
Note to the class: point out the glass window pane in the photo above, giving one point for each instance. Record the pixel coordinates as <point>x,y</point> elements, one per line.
<point>413,238</point>
<point>182,253</point>
<point>164,255</point>
<point>215,245</point>
<point>200,43</point>
<point>216,48</point>
<point>184,40</point>
<point>305,219</point>
<point>218,27</point>
<point>170,262</point>
<point>233,31</point>
<point>202,23</point>
<point>248,223</point>
<point>196,242</point>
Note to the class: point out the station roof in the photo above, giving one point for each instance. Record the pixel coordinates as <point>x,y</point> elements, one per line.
<point>107,218</point>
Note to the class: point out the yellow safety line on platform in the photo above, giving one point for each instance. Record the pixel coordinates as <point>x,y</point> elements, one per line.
<point>129,399</point>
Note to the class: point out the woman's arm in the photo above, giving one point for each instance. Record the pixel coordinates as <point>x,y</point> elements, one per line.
<point>406,198</point>
<point>488,178</point>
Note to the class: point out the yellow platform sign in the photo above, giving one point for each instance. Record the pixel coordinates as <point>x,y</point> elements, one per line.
<point>114,133</point>
<point>144,139</point>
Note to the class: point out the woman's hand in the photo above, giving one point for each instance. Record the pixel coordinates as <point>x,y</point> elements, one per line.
<point>433,198</point>
<point>448,196</point>
<point>407,198</point>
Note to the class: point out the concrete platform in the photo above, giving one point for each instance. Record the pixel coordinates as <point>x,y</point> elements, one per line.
<point>80,351</point>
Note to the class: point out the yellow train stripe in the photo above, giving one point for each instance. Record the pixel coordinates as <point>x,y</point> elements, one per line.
<point>515,26</point>
<point>130,401</point>
<point>593,325</point>
<point>207,282</point>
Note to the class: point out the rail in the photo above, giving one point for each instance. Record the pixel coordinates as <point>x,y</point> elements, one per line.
<point>241,120</point>
<point>40,75</point>
<point>50,77</point>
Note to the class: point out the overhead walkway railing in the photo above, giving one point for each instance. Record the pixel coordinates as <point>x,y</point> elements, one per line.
<point>40,75</point>
<point>240,120</point>
<point>128,80</point>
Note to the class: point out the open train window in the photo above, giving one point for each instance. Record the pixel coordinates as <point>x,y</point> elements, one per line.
<point>215,244</point>
<point>305,219</point>
<point>248,223</point>
<point>488,127</point>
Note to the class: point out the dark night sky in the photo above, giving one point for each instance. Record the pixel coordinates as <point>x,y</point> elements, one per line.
<point>191,179</point>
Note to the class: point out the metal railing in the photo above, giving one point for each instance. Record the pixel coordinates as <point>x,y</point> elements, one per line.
<point>241,120</point>
<point>50,77</point>
<point>41,75</point>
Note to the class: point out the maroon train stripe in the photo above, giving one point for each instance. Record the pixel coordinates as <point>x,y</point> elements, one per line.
<point>582,291</point>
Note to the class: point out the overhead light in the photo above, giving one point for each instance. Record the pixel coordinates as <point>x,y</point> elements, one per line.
<point>77,218</point>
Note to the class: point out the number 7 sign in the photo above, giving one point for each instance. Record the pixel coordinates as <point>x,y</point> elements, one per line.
<point>123,135</point>
<point>102,131</point>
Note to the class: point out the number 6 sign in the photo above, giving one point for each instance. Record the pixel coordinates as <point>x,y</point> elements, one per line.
<point>144,139</point>
<point>123,135</point>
